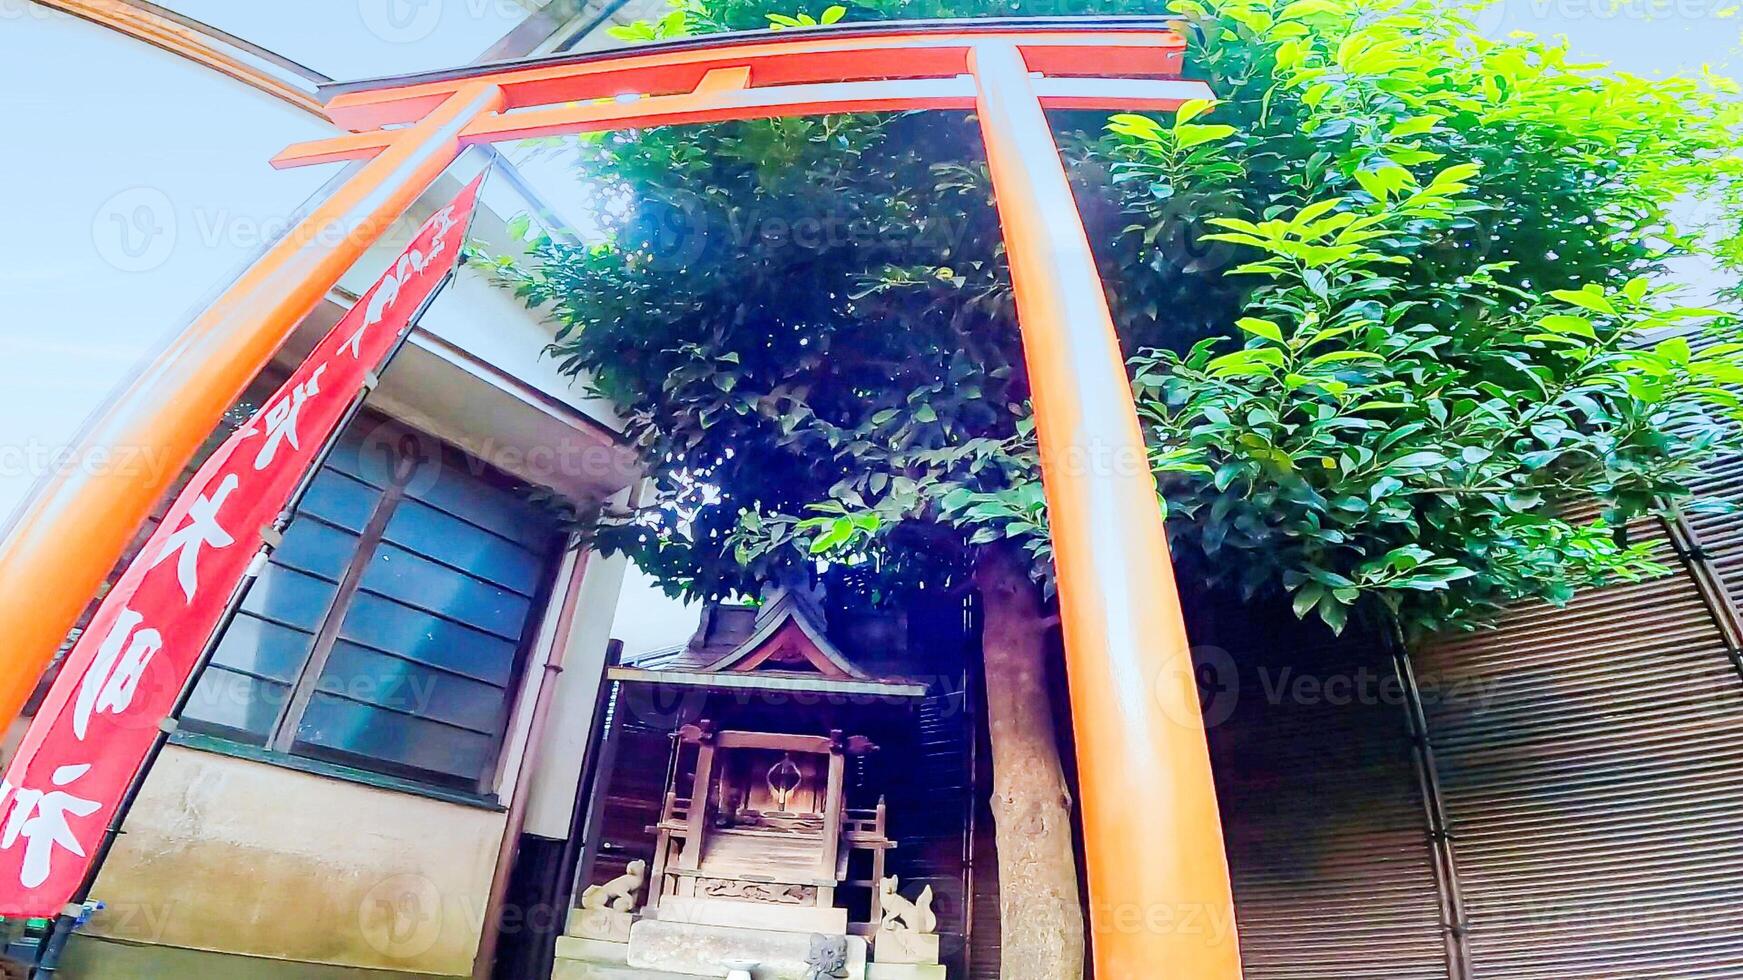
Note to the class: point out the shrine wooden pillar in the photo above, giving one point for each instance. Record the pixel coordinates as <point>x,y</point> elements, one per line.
<point>1161,904</point>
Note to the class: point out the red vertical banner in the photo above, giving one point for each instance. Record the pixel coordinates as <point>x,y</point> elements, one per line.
<point>98,724</point>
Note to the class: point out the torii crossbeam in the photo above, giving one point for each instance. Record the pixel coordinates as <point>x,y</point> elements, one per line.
<point>1158,879</point>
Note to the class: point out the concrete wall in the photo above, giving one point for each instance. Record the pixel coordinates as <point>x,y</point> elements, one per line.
<point>88,957</point>
<point>233,856</point>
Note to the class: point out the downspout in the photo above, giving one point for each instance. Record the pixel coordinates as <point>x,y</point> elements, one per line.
<point>1440,837</point>
<point>1698,563</point>
<point>488,943</point>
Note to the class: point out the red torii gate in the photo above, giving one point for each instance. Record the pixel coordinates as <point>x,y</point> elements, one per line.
<point>1158,879</point>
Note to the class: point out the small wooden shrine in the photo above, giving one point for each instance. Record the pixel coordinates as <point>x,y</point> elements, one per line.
<point>770,852</point>
<point>761,834</point>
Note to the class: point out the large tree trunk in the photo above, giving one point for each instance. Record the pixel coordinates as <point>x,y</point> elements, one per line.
<point>1043,935</point>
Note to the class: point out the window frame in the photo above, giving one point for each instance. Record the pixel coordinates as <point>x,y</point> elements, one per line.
<point>280,744</point>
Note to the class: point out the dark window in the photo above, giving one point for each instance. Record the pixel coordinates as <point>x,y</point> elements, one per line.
<point>389,630</point>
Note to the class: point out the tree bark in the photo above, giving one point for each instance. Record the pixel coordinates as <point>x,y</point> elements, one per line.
<point>1039,906</point>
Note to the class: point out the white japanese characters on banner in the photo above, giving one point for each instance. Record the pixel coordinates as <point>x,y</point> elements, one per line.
<point>119,683</point>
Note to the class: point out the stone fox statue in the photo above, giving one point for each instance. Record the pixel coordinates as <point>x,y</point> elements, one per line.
<point>618,894</point>
<point>901,915</point>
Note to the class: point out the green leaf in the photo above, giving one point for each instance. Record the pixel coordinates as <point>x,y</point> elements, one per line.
<point>1192,109</point>
<point>1414,126</point>
<point>1421,460</point>
<point>1261,328</point>
<point>1566,323</point>
<point>1675,350</point>
<point>1340,356</point>
<point>1334,614</point>
<point>1190,135</point>
<point>1584,299</point>
<point>1306,598</point>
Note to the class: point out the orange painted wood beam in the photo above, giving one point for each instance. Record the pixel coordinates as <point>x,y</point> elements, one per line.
<point>837,54</point>
<point>1160,900</point>
<point>717,104</point>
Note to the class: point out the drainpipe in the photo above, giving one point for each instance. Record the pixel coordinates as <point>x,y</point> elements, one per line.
<point>490,941</point>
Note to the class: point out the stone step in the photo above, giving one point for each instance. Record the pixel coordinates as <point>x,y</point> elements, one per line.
<point>568,969</point>
<point>593,950</point>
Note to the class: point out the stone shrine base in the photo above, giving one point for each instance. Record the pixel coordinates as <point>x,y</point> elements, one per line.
<point>684,951</point>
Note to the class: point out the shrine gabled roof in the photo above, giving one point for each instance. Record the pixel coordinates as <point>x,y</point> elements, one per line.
<point>788,631</point>
<point>781,645</point>
<point>780,682</point>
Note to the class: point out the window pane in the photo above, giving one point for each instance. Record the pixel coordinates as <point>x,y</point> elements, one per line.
<point>366,452</point>
<point>290,597</point>
<point>425,651</point>
<point>350,732</point>
<point>399,574</point>
<point>416,635</point>
<point>493,508</point>
<point>340,500</point>
<point>255,646</point>
<point>362,674</point>
<point>239,706</point>
<point>316,548</point>
<point>452,541</point>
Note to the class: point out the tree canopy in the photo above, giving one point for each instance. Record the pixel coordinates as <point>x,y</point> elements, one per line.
<point>1396,302</point>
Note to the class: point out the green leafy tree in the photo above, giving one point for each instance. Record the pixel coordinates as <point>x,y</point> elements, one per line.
<point>1393,303</point>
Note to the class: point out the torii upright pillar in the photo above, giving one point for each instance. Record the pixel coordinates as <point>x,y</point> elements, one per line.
<point>1161,905</point>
